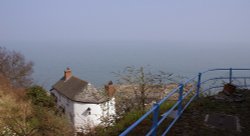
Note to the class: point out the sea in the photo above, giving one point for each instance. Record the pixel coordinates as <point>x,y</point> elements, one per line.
<point>96,61</point>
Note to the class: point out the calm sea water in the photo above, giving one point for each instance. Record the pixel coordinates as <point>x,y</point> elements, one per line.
<point>95,61</point>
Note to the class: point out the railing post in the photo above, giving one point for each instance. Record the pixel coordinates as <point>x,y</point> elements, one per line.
<point>155,118</point>
<point>180,99</point>
<point>230,75</point>
<point>198,85</point>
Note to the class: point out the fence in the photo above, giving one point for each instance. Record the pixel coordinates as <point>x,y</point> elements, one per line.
<point>205,83</point>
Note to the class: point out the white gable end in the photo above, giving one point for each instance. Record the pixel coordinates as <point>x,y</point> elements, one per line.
<point>84,115</point>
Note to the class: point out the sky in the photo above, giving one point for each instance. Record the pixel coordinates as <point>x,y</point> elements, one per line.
<point>216,21</point>
<point>179,36</point>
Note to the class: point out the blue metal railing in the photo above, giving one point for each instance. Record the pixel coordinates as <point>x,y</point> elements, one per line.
<point>199,85</point>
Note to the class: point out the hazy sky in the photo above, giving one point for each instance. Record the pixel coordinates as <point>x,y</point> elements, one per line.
<point>128,20</point>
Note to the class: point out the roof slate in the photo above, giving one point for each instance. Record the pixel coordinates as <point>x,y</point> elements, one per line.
<point>79,90</point>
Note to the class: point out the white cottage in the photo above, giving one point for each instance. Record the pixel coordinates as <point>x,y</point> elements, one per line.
<point>81,102</point>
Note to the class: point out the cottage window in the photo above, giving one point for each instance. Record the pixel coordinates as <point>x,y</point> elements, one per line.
<point>87,112</point>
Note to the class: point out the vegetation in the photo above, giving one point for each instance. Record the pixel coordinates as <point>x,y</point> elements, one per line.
<point>142,83</point>
<point>21,116</point>
<point>39,96</point>
<point>15,68</point>
<point>25,110</point>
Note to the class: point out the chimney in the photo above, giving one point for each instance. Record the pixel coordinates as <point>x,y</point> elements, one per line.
<point>110,89</point>
<point>67,73</point>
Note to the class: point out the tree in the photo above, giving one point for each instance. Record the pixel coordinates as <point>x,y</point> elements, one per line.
<point>23,119</point>
<point>143,83</point>
<point>15,68</point>
<point>40,97</point>
<point>20,116</point>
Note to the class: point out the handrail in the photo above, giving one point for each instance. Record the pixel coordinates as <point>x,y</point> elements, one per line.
<point>198,80</point>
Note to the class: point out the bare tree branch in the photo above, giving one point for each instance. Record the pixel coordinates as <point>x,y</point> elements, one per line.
<point>142,81</point>
<point>15,68</point>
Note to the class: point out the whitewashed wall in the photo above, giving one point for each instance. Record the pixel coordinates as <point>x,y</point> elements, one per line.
<point>78,114</point>
<point>83,120</point>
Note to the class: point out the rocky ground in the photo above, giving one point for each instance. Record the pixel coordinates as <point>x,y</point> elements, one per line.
<point>236,105</point>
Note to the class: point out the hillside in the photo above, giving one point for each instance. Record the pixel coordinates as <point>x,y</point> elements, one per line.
<point>23,115</point>
<point>222,110</point>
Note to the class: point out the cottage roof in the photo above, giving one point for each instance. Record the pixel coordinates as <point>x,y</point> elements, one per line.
<point>79,90</point>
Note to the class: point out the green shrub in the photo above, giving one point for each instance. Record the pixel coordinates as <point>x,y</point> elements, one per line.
<point>39,96</point>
